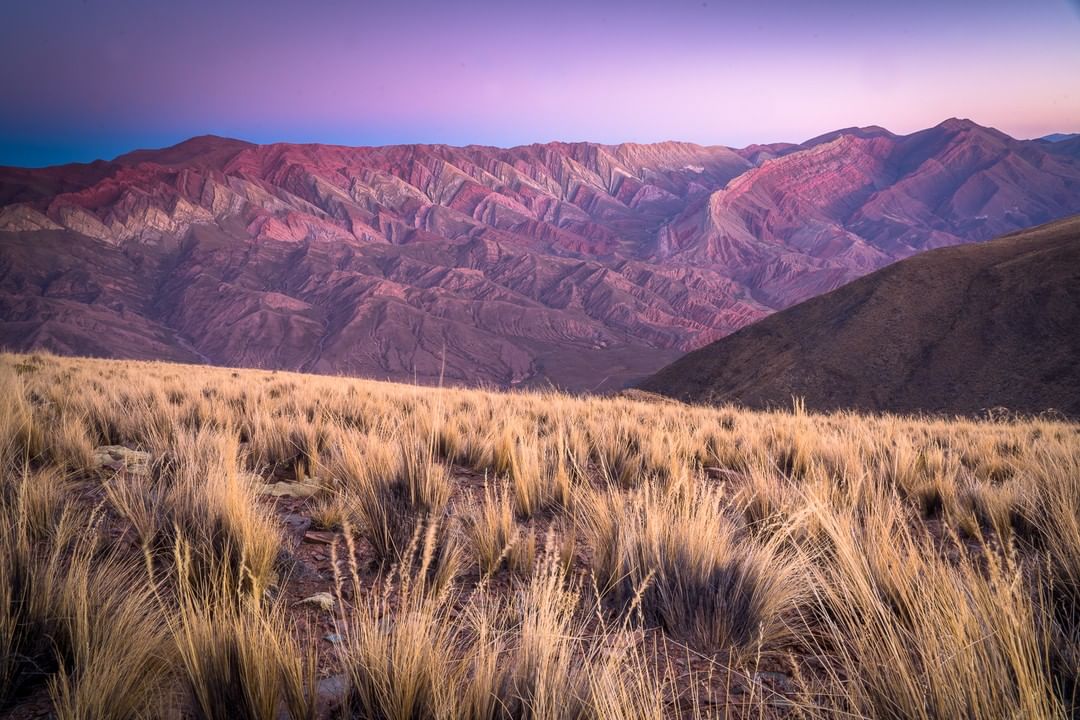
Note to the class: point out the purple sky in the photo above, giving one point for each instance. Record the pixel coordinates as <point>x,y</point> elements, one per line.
<point>82,79</point>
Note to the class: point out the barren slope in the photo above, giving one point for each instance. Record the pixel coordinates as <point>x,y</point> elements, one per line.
<point>580,264</point>
<point>955,330</point>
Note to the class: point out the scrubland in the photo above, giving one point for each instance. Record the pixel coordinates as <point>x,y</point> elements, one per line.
<point>278,545</point>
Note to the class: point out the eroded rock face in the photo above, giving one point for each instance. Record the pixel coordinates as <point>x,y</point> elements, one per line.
<point>579,264</point>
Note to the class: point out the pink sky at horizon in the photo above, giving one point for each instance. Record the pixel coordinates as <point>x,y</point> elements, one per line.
<point>93,78</point>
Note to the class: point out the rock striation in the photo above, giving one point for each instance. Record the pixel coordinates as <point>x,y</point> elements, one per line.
<point>581,265</point>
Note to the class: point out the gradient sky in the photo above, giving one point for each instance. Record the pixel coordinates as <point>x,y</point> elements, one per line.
<point>85,79</point>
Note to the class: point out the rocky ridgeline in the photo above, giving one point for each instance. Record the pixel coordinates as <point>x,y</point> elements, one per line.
<point>580,264</point>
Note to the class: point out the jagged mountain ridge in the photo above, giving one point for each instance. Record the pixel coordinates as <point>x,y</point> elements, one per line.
<point>581,264</point>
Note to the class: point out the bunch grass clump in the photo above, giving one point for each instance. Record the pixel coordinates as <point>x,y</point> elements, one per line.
<point>529,554</point>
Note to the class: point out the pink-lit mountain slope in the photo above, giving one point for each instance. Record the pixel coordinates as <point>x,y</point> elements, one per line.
<point>578,264</point>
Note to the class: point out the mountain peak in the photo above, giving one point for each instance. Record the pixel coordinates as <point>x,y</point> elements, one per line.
<point>964,129</point>
<point>186,151</point>
<point>1059,137</point>
<point>866,132</point>
<point>955,124</point>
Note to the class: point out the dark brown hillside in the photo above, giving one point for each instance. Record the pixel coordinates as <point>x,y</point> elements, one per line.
<point>954,330</point>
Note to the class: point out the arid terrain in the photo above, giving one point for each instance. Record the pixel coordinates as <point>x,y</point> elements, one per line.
<point>581,265</point>
<point>961,330</point>
<point>188,541</point>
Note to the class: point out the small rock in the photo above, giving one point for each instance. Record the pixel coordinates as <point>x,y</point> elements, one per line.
<point>323,600</point>
<point>297,521</point>
<point>333,638</point>
<point>290,489</point>
<point>117,458</point>
<point>330,694</point>
<point>319,537</point>
<point>297,524</point>
<point>332,690</point>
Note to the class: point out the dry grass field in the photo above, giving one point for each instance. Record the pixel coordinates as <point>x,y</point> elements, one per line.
<point>268,545</point>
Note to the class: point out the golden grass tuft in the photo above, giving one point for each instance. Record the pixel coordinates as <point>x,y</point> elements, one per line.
<point>528,554</point>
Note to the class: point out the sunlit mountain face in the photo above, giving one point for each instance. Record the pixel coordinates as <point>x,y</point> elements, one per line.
<point>578,264</point>
<point>502,193</point>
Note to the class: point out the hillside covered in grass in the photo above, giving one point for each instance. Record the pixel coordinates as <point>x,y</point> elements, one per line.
<point>181,541</point>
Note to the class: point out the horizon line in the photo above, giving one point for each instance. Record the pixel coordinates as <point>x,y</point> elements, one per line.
<point>232,138</point>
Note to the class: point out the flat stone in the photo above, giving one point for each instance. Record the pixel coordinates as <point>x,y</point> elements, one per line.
<point>333,638</point>
<point>330,693</point>
<point>117,458</point>
<point>296,520</point>
<point>290,489</point>
<point>322,600</point>
<point>332,690</point>
<point>319,537</point>
<point>296,525</point>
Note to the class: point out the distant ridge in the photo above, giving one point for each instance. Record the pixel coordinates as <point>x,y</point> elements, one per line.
<point>957,331</point>
<point>1060,137</point>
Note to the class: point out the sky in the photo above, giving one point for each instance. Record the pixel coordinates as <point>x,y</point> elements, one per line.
<point>88,79</point>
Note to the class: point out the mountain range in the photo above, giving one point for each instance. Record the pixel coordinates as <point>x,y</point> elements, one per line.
<point>1060,137</point>
<point>959,330</point>
<point>581,265</point>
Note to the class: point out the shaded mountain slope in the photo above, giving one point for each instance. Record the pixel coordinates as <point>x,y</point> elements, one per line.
<point>955,330</point>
